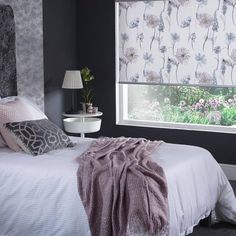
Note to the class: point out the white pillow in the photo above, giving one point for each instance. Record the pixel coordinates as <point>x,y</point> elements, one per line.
<point>16,109</point>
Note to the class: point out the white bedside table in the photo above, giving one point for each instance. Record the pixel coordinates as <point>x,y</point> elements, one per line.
<point>82,123</point>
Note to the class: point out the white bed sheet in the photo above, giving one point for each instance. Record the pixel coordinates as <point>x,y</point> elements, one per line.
<point>38,195</point>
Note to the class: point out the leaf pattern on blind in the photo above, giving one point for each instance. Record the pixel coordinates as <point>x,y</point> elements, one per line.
<point>190,42</point>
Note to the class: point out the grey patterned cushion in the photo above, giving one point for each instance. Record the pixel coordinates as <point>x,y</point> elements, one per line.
<point>38,136</point>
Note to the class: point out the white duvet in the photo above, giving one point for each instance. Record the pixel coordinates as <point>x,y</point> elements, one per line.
<point>39,197</point>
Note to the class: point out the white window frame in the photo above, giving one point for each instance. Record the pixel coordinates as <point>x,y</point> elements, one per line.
<point>122,118</point>
<point>122,103</point>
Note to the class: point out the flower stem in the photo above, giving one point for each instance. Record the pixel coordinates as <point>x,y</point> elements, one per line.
<point>144,13</point>
<point>154,36</point>
<point>232,71</point>
<point>228,48</point>
<point>159,39</point>
<point>164,6</point>
<point>144,69</point>
<point>196,68</point>
<point>176,73</point>
<point>213,40</point>
<point>204,44</point>
<point>189,33</point>
<point>168,20</point>
<point>123,48</point>
<point>144,16</point>
<point>218,8</point>
<point>197,10</point>
<point>126,16</point>
<point>126,72</point>
<point>218,62</point>
<point>177,15</point>
<point>192,44</point>
<point>233,13</point>
<point>162,68</point>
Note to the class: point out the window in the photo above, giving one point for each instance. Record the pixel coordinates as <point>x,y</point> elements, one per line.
<point>175,65</point>
<point>180,107</point>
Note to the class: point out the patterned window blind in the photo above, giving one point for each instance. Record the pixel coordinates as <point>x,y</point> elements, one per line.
<point>188,42</point>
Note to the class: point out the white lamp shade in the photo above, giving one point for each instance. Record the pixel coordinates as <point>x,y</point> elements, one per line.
<point>72,80</point>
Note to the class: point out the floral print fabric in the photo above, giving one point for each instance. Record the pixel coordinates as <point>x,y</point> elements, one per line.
<point>190,42</point>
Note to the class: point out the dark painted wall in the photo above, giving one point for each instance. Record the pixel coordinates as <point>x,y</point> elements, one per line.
<point>96,49</point>
<point>60,53</point>
<point>84,35</point>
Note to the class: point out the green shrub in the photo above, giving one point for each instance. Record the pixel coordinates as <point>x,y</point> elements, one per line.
<point>228,116</point>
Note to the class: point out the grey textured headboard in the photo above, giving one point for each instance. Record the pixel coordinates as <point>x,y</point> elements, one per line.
<point>8,81</point>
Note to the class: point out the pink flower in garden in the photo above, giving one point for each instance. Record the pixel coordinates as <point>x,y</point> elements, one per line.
<point>214,104</point>
<point>197,106</point>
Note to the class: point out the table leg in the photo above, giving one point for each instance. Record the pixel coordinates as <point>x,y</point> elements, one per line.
<point>82,135</point>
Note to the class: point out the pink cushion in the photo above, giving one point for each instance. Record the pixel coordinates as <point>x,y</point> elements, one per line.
<point>15,111</point>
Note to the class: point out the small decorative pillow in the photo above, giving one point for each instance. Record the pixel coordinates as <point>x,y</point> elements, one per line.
<point>38,136</point>
<point>16,109</point>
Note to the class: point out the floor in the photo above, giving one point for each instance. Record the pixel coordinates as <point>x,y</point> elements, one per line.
<point>219,229</point>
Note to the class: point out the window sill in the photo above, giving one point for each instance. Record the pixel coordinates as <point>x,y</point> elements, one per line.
<point>178,126</point>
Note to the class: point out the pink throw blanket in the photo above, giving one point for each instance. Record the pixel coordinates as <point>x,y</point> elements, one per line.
<point>123,191</point>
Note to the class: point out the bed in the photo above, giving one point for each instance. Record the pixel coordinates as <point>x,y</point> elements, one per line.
<point>39,196</point>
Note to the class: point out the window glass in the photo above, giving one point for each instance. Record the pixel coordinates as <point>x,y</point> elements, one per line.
<point>180,104</point>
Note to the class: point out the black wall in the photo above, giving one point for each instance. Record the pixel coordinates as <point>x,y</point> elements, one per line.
<point>86,37</point>
<point>96,34</point>
<point>60,53</point>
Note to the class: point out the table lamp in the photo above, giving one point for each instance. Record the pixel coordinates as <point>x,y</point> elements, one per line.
<point>72,80</point>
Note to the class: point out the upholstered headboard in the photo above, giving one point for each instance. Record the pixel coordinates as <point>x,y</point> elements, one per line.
<point>8,82</point>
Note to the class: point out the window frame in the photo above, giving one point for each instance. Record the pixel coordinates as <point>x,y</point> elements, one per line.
<point>122,117</point>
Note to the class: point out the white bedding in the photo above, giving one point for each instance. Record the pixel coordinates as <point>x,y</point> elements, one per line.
<point>39,197</point>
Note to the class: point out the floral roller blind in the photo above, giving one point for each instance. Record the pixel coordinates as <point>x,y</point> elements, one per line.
<point>190,42</point>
